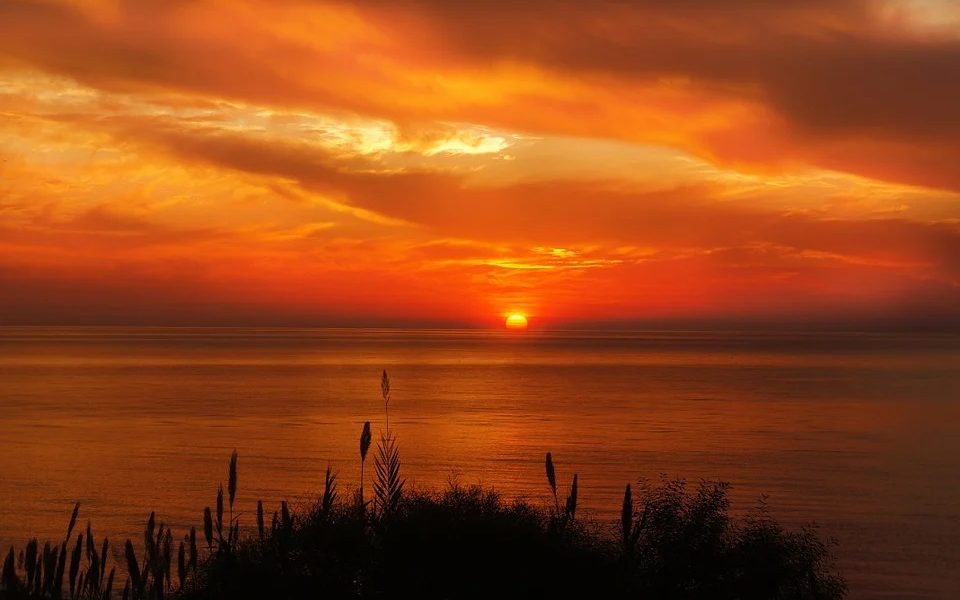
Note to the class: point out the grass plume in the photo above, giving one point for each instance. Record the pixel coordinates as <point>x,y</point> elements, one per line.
<point>365,439</point>
<point>232,479</point>
<point>552,480</point>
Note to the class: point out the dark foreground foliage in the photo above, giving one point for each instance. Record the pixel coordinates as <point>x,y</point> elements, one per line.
<point>470,543</point>
<point>672,541</point>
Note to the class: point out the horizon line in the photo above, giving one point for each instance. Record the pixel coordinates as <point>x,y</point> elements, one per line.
<point>732,328</point>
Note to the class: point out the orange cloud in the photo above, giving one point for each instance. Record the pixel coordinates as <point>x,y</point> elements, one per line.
<point>289,162</point>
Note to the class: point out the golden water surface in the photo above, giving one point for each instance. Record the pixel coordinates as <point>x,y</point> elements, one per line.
<point>858,432</point>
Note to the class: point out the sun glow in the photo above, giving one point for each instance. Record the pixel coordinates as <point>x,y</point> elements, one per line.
<point>516,321</point>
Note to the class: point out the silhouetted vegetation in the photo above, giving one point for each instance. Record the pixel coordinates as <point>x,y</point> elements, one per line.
<point>672,541</point>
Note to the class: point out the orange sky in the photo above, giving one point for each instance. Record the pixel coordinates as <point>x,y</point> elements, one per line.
<point>429,162</point>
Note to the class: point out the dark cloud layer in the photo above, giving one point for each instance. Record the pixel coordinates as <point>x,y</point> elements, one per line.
<point>848,85</point>
<point>543,213</point>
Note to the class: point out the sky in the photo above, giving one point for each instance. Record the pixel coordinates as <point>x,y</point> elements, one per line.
<point>222,162</point>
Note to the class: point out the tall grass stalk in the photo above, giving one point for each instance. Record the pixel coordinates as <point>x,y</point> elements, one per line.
<point>365,439</point>
<point>232,492</point>
<point>385,393</point>
<point>571,507</point>
<point>388,487</point>
<point>329,498</point>
<point>552,481</point>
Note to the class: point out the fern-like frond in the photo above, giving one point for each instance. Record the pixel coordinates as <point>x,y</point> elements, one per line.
<point>388,488</point>
<point>329,492</point>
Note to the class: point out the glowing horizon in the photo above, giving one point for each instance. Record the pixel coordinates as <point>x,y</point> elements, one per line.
<point>289,163</point>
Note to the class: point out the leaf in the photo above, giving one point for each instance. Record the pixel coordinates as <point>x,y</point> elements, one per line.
<point>108,590</point>
<point>329,492</point>
<point>73,521</point>
<point>365,439</point>
<point>133,567</point>
<point>571,508</point>
<point>9,578</point>
<point>75,563</point>
<point>220,512</point>
<point>208,527</point>
<point>193,548</point>
<point>232,480</point>
<point>626,515</point>
<point>182,564</point>
<point>388,487</point>
<point>551,474</point>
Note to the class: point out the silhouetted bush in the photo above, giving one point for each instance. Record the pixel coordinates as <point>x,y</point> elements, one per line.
<point>468,542</point>
<point>684,544</point>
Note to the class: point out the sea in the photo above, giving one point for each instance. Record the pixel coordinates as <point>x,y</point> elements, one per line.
<point>856,434</point>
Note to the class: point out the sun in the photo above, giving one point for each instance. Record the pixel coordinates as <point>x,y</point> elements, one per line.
<point>516,321</point>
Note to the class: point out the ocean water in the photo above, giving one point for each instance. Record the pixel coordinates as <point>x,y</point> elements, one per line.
<point>859,433</point>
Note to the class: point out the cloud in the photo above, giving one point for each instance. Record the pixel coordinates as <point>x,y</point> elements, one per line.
<point>852,85</point>
<point>672,220</point>
<point>438,161</point>
<point>566,211</point>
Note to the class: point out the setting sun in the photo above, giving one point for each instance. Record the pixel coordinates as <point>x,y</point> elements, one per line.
<point>516,321</point>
